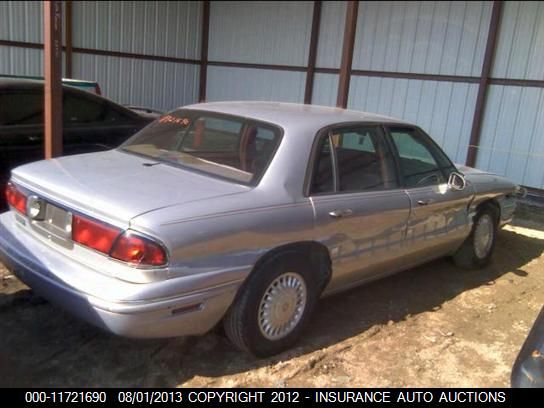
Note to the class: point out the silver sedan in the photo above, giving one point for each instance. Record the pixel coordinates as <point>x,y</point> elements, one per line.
<point>245,213</point>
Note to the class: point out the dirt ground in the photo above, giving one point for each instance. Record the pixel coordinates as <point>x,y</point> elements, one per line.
<point>435,326</point>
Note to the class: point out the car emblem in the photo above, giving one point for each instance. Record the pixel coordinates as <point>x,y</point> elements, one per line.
<point>36,208</point>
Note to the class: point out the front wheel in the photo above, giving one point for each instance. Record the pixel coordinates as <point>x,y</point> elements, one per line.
<point>477,249</point>
<point>273,307</point>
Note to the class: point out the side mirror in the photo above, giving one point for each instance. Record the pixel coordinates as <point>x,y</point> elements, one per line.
<point>457,181</point>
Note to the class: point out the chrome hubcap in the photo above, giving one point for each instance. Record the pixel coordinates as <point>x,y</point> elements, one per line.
<point>282,306</point>
<point>483,236</point>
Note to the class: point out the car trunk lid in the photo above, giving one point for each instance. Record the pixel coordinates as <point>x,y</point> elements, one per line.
<point>115,186</point>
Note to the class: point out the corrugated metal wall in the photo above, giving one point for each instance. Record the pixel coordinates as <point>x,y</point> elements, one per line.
<point>437,38</point>
<point>226,83</point>
<point>520,50</point>
<point>21,21</point>
<point>331,34</point>
<point>431,37</point>
<point>325,89</point>
<point>512,140</point>
<point>260,32</point>
<point>443,109</point>
<point>21,61</point>
<point>162,28</point>
<point>394,37</point>
<point>158,84</point>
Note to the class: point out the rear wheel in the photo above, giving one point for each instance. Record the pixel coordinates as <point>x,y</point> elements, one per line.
<point>274,305</point>
<point>477,249</point>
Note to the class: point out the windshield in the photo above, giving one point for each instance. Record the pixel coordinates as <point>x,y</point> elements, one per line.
<point>226,146</point>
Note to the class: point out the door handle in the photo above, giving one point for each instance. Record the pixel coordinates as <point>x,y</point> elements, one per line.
<point>425,202</point>
<point>340,213</point>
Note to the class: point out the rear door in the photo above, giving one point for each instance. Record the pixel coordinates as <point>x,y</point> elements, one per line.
<point>360,210</point>
<point>438,217</point>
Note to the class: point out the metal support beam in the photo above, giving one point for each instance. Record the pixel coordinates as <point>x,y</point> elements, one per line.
<point>312,54</point>
<point>69,31</point>
<point>347,53</point>
<point>204,50</point>
<point>487,65</point>
<point>52,39</point>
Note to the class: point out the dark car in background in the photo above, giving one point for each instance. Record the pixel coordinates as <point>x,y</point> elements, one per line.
<point>90,123</point>
<point>84,85</point>
<point>147,112</point>
<point>528,370</point>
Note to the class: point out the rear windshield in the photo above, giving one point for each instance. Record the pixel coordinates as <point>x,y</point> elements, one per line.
<point>225,146</point>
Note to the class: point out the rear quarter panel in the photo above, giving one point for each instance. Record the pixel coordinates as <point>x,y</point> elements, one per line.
<point>228,233</point>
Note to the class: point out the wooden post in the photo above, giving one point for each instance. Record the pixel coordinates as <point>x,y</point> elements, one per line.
<point>312,54</point>
<point>347,53</point>
<point>204,50</point>
<point>487,65</point>
<point>68,56</point>
<point>52,40</point>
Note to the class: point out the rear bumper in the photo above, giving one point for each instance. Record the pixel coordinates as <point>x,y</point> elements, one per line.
<point>42,268</point>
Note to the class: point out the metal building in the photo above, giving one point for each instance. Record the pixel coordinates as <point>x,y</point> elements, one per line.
<point>470,73</point>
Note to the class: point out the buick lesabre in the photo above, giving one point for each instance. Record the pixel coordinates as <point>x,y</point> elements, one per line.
<point>244,213</point>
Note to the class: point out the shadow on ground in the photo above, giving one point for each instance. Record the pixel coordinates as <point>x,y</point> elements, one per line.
<point>40,345</point>
<point>529,215</point>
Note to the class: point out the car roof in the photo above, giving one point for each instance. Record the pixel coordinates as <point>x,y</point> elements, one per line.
<point>38,84</point>
<point>289,115</point>
<point>41,79</point>
<point>24,83</point>
<point>18,82</point>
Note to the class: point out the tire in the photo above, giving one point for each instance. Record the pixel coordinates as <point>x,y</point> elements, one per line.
<point>246,323</point>
<point>474,253</point>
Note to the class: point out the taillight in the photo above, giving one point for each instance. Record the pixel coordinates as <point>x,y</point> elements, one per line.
<point>124,246</point>
<point>138,250</point>
<point>94,234</point>
<point>15,198</point>
<point>97,90</point>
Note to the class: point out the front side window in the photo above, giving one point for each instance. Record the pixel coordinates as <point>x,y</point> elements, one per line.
<point>420,161</point>
<point>225,146</point>
<point>360,159</point>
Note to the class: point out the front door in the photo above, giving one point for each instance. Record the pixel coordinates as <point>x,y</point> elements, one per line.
<point>438,218</point>
<point>360,212</point>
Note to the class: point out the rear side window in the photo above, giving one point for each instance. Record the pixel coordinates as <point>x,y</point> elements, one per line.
<point>363,160</point>
<point>358,140</point>
<point>21,108</point>
<point>323,173</point>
